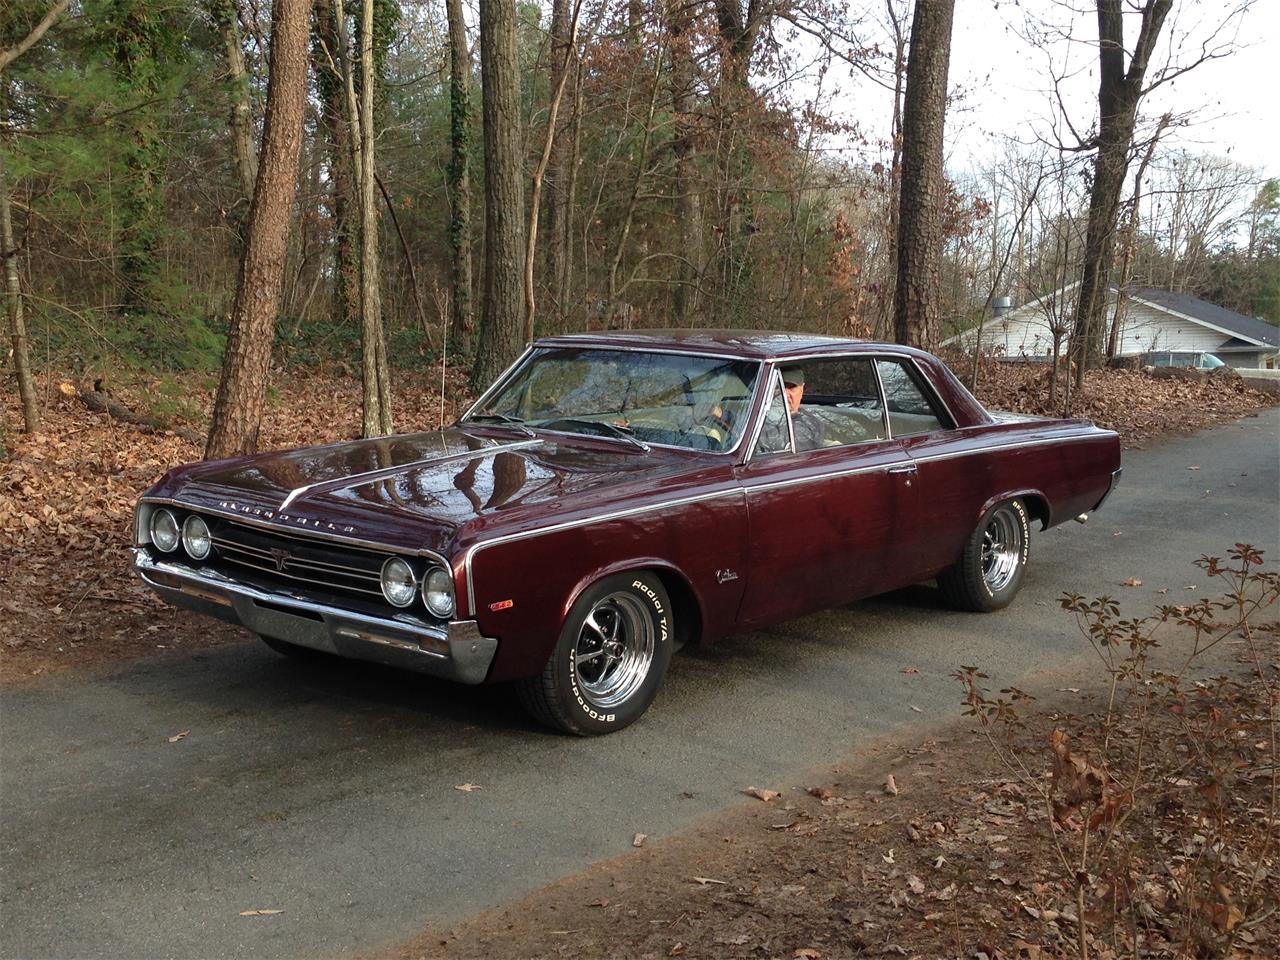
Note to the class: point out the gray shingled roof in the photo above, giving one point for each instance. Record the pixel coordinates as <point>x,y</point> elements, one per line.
<point>1197,309</point>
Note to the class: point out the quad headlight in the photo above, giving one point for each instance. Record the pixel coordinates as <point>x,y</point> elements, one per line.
<point>164,531</point>
<point>437,592</point>
<point>195,537</point>
<point>399,585</point>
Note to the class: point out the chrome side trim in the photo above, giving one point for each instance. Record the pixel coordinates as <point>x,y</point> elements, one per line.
<point>372,476</point>
<point>287,531</point>
<point>884,402</point>
<point>743,489</point>
<point>503,377</point>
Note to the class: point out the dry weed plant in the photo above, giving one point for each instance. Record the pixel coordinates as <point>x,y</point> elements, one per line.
<point>1162,808</point>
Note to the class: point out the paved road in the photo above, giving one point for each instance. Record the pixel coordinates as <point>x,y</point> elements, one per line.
<point>328,791</point>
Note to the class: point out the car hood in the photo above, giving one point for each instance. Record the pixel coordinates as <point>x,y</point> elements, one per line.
<point>416,491</point>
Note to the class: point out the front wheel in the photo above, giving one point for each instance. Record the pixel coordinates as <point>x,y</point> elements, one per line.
<point>990,570</point>
<point>610,659</point>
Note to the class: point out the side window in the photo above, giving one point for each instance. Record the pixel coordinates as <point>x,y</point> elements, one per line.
<point>842,401</point>
<point>910,409</point>
<point>775,432</point>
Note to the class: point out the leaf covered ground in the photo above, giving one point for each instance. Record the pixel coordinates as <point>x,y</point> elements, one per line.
<point>67,493</point>
<point>927,849</point>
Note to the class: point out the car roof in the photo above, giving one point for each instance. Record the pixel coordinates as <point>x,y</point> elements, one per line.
<point>748,344</point>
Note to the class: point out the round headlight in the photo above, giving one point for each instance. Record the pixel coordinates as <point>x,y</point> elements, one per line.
<point>164,531</point>
<point>195,538</point>
<point>437,592</point>
<point>398,582</point>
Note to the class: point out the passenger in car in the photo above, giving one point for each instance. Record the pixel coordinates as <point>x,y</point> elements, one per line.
<point>805,425</point>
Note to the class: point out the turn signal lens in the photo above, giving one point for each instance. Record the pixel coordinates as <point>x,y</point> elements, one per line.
<point>437,592</point>
<point>399,585</point>
<point>195,538</point>
<point>164,531</point>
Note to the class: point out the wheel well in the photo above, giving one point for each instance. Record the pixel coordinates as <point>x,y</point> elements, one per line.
<point>1037,507</point>
<point>688,612</point>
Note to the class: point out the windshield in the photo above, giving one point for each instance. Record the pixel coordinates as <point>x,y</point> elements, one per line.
<point>699,403</point>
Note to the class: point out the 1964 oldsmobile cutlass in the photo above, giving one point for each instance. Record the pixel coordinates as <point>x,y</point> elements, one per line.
<point>613,496</point>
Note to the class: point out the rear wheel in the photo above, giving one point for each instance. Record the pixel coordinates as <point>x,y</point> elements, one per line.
<point>990,570</point>
<point>611,656</point>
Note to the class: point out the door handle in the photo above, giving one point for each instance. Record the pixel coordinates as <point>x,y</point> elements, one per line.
<point>907,468</point>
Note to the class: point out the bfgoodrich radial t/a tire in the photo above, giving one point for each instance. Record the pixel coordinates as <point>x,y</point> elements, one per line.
<point>989,572</point>
<point>609,660</point>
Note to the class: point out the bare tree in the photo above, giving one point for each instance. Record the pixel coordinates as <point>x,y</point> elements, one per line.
<point>548,143</point>
<point>500,327</point>
<point>17,324</point>
<point>923,190</point>
<point>225,15</point>
<point>237,411</point>
<point>560,173</point>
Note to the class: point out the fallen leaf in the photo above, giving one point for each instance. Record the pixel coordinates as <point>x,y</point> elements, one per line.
<point>1163,590</point>
<point>179,736</point>
<point>890,786</point>
<point>807,953</point>
<point>259,913</point>
<point>916,709</point>
<point>888,857</point>
<point>639,839</point>
<point>1131,582</point>
<point>1197,467</point>
<point>946,893</point>
<point>676,950</point>
<point>765,795</point>
<point>915,884</point>
<point>467,787</point>
<point>822,793</point>
<point>602,902</point>
<point>908,670</point>
<point>937,864</point>
<point>703,881</point>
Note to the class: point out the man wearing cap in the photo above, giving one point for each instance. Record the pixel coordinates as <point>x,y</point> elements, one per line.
<point>805,426</point>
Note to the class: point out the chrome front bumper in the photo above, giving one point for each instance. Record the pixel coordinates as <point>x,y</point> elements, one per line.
<point>455,651</point>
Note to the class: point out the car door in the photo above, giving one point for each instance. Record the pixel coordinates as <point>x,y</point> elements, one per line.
<point>826,525</point>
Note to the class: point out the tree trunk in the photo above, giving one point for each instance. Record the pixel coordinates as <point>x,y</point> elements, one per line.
<point>1119,92</point>
<point>499,334</point>
<point>17,324</point>
<point>226,16</point>
<point>375,373</point>
<point>916,308</point>
<point>459,177</point>
<point>330,56</point>
<point>237,412</point>
<point>559,167</point>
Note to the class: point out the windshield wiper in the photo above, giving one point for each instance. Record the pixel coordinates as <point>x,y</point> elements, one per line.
<point>622,433</point>
<point>503,418</point>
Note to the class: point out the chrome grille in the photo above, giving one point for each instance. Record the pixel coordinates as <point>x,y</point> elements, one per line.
<point>296,561</point>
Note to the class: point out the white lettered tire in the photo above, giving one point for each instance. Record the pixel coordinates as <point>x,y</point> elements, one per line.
<point>610,659</point>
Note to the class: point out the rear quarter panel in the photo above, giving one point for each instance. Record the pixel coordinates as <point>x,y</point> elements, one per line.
<point>1062,468</point>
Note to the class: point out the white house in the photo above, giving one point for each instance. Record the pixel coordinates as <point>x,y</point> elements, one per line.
<point>1153,320</point>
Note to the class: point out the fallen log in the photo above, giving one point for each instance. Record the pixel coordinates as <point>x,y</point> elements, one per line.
<point>99,402</point>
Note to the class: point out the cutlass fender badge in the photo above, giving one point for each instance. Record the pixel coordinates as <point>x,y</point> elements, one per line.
<point>502,605</point>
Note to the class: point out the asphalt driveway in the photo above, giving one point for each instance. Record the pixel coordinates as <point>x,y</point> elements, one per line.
<point>328,791</point>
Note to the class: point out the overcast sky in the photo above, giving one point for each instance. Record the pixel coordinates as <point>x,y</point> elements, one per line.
<point>1004,82</point>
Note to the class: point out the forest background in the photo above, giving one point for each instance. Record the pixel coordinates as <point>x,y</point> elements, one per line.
<point>665,163</point>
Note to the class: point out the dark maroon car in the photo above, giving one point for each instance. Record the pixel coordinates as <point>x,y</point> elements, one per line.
<point>614,496</point>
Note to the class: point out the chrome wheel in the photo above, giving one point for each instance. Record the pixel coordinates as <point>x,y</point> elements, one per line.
<point>614,650</point>
<point>1001,549</point>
